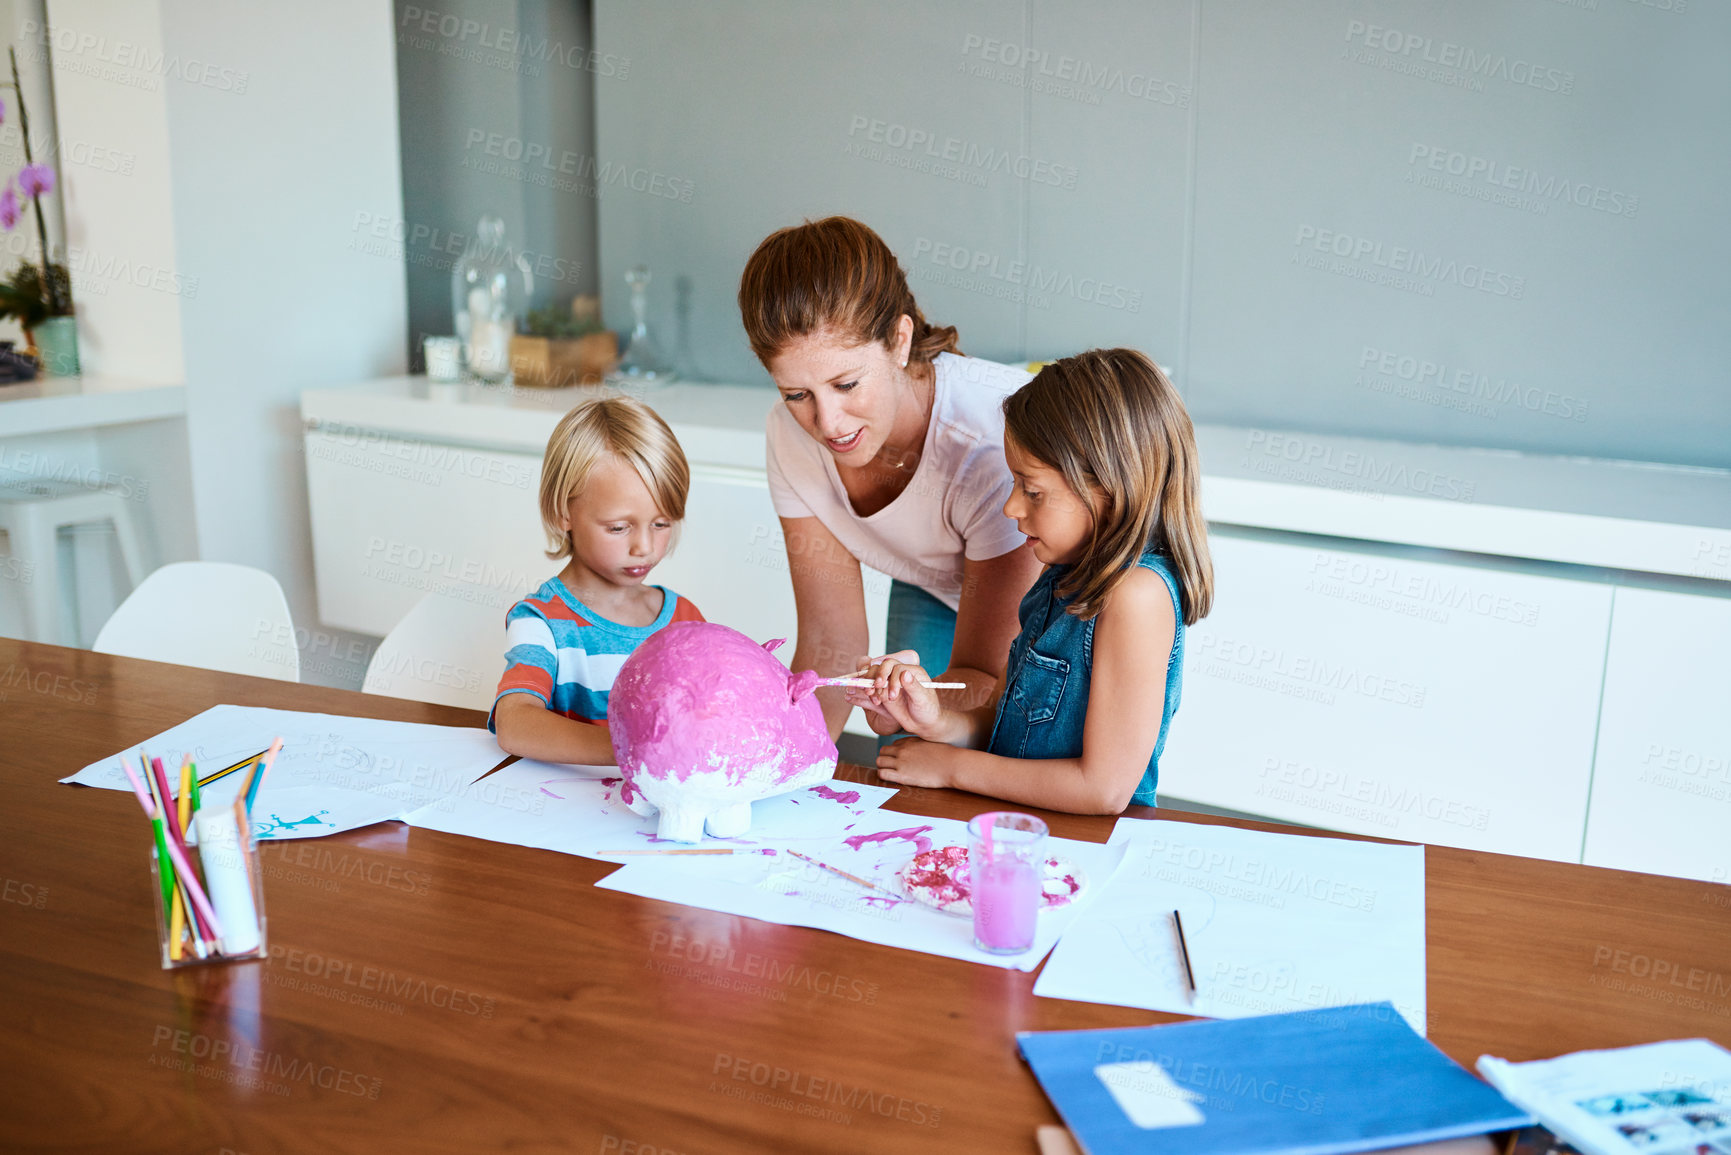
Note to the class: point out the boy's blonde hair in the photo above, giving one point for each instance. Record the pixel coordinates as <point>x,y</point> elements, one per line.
<point>620,427</point>
<point>1109,420</point>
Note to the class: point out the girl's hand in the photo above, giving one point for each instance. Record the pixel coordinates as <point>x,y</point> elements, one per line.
<point>916,762</point>
<point>897,701</point>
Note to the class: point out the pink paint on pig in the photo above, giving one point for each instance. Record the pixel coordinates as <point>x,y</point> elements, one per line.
<point>704,721</point>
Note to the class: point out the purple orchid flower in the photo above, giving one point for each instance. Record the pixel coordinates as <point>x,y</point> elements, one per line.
<point>35,179</point>
<point>8,207</point>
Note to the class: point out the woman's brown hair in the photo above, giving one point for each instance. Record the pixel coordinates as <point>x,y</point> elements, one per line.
<point>1114,426</point>
<point>836,276</point>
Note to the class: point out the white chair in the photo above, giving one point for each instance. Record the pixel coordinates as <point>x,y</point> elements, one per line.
<point>445,650</point>
<point>211,614</point>
<point>32,514</point>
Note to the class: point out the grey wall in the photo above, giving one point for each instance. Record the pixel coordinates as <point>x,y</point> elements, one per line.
<point>497,118</point>
<point>1243,189</point>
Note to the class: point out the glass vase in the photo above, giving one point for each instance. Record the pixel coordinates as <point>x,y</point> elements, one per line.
<point>490,288</point>
<point>643,362</point>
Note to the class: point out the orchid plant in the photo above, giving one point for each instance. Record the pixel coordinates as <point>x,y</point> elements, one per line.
<point>34,292</point>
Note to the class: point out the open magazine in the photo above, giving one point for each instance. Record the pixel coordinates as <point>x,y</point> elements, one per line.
<point>1659,1099</point>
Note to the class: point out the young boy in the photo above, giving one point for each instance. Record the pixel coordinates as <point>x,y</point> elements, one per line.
<point>613,487</point>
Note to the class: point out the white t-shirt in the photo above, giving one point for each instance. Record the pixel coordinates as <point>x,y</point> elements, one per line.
<point>953,507</point>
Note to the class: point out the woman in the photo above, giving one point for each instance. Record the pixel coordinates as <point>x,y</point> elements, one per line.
<point>888,449</point>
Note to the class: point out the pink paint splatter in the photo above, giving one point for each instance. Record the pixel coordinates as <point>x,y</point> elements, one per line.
<point>548,792</point>
<point>842,796</point>
<point>913,834</point>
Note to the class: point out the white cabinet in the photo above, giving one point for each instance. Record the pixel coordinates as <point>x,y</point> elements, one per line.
<point>395,518</point>
<point>1662,778</point>
<point>1436,703</point>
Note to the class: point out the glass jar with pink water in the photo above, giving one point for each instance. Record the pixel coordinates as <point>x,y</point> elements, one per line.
<point>1004,854</point>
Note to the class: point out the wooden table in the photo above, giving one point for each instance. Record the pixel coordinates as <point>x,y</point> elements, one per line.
<point>431,993</point>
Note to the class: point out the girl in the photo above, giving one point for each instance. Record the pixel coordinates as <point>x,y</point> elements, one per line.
<point>1107,494</point>
<point>613,486</point>
<point>887,452</point>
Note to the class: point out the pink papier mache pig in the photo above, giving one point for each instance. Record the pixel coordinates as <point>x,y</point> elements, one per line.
<point>705,721</point>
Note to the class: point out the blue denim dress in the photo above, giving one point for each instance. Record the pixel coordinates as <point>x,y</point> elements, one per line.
<point>1045,700</point>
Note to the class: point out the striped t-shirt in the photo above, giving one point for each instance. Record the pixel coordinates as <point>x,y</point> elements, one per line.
<point>567,655</point>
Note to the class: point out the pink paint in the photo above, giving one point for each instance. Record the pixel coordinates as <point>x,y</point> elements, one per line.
<point>550,794</point>
<point>940,875</point>
<point>703,723</point>
<point>842,796</point>
<point>1006,898</point>
<point>802,684</point>
<point>913,834</point>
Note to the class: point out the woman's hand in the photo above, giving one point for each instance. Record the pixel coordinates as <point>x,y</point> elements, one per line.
<point>897,701</point>
<point>916,762</point>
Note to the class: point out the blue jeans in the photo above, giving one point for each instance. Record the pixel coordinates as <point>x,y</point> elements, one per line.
<point>918,621</point>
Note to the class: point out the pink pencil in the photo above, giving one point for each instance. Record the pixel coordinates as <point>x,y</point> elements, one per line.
<point>175,853</point>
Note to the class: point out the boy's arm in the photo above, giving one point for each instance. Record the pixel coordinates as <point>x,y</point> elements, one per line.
<point>530,730</point>
<point>522,719</point>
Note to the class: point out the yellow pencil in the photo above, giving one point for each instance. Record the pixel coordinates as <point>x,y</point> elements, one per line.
<point>177,916</point>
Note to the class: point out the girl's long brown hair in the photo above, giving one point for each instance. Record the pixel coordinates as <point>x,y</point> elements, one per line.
<point>1114,426</point>
<point>835,276</point>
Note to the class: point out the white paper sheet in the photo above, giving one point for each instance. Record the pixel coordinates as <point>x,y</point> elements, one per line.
<point>1274,922</point>
<point>334,773</point>
<point>781,889</point>
<point>577,810</point>
<point>1658,1099</point>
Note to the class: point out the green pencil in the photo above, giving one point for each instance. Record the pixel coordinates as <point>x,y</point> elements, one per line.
<point>164,867</point>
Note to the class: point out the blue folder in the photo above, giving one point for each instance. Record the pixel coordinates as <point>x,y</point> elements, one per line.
<point>1342,1079</point>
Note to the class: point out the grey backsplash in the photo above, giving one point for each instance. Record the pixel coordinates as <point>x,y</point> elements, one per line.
<point>1499,224</point>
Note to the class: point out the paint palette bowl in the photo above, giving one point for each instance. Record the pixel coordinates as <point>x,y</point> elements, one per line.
<point>939,878</point>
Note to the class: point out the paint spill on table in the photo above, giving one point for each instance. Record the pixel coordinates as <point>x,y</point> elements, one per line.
<point>913,834</point>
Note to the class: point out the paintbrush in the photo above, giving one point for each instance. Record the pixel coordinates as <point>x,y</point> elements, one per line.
<point>693,850</point>
<point>866,683</point>
<point>867,883</point>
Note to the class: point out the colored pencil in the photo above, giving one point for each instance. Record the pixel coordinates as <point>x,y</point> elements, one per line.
<point>137,786</point>
<point>165,800</point>
<point>177,841</point>
<point>171,859</point>
<point>184,799</point>
<point>200,903</point>
<point>1184,950</point>
<point>177,918</point>
<point>227,770</point>
<point>850,877</point>
<point>164,868</point>
<point>688,850</point>
<point>258,774</point>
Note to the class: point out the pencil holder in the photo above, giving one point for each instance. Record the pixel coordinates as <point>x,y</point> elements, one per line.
<point>227,858</point>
